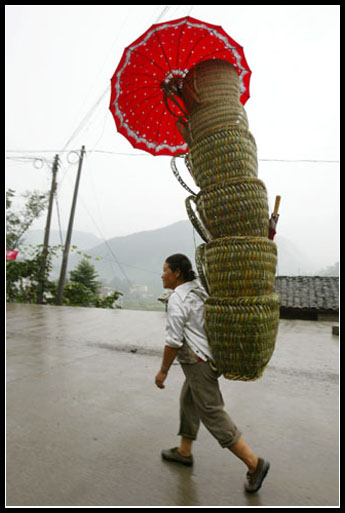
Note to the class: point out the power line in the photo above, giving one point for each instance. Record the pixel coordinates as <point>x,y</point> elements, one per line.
<point>38,151</point>
<point>108,246</point>
<point>130,265</point>
<point>317,161</point>
<point>300,160</point>
<point>89,114</point>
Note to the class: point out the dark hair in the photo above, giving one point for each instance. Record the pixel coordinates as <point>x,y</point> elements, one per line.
<point>181,262</point>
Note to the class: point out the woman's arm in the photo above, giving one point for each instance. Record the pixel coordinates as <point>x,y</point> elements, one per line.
<point>168,358</point>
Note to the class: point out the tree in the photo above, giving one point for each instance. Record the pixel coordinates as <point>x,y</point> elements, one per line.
<point>109,301</point>
<point>22,277</point>
<point>85,273</point>
<point>331,270</point>
<point>77,294</point>
<point>19,221</point>
<point>83,286</point>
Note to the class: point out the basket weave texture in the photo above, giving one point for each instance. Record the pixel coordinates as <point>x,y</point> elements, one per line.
<point>225,154</point>
<point>222,140</point>
<point>237,263</point>
<point>205,118</point>
<point>242,333</point>
<point>237,266</point>
<point>210,81</point>
<point>236,207</point>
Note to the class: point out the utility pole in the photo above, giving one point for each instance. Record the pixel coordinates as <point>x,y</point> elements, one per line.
<point>69,233</point>
<point>46,233</point>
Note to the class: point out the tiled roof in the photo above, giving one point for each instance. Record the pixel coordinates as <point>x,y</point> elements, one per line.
<point>308,292</point>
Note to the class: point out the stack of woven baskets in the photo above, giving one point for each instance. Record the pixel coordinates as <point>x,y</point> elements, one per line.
<point>237,262</point>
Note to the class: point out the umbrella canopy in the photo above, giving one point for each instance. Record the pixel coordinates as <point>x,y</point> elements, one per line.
<point>151,73</point>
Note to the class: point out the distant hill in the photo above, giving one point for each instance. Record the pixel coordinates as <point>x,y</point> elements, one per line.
<point>137,259</point>
<point>81,239</point>
<point>141,255</point>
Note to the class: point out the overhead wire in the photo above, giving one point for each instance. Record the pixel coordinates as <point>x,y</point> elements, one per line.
<point>83,123</point>
<point>110,152</point>
<point>106,90</point>
<point>87,119</point>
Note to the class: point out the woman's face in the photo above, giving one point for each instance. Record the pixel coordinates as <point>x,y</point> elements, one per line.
<point>171,279</point>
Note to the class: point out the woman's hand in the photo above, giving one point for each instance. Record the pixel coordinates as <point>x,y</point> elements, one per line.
<point>160,378</point>
<point>168,358</point>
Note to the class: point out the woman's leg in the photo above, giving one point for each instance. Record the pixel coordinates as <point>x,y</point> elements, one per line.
<point>189,420</point>
<point>185,446</point>
<point>242,450</point>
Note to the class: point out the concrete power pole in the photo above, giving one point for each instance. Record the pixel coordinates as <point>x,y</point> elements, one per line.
<point>47,231</point>
<point>69,233</point>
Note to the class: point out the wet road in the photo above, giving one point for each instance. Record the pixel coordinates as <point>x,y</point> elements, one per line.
<point>85,422</point>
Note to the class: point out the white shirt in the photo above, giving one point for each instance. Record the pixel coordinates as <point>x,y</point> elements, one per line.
<point>185,319</point>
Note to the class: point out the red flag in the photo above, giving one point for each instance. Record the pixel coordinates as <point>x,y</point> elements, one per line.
<point>11,254</point>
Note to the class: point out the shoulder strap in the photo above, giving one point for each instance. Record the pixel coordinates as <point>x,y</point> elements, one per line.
<point>202,295</point>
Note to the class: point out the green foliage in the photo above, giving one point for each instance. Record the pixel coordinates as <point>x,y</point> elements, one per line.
<point>22,277</point>
<point>83,286</point>
<point>77,294</point>
<point>85,274</point>
<point>19,221</point>
<point>108,302</point>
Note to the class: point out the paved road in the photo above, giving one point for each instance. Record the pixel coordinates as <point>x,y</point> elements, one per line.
<point>85,422</point>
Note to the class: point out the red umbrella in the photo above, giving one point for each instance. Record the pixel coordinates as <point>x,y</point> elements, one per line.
<point>146,84</point>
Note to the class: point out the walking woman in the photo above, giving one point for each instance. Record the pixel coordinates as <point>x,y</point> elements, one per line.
<point>201,398</point>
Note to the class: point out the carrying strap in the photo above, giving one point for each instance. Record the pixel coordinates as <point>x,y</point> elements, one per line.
<point>203,296</point>
<point>177,174</point>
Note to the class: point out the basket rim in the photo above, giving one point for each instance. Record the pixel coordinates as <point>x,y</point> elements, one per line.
<point>240,239</point>
<point>238,180</point>
<point>243,301</point>
<point>228,128</point>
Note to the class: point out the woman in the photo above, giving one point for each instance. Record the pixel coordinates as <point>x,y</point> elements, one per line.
<point>201,399</point>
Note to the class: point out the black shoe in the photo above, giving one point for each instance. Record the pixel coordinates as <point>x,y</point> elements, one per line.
<point>255,479</point>
<point>176,456</point>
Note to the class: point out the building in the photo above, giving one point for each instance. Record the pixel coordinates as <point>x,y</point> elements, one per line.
<point>303,297</point>
<point>308,297</point>
<point>139,290</point>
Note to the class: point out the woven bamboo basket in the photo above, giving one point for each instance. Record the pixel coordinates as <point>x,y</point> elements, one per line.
<point>210,80</point>
<point>226,167</point>
<point>207,117</point>
<point>237,266</point>
<point>242,333</point>
<point>224,154</point>
<point>237,207</point>
<point>227,153</point>
<point>223,136</point>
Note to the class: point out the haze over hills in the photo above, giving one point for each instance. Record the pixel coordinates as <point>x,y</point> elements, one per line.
<point>137,259</point>
<point>81,239</point>
<point>125,262</point>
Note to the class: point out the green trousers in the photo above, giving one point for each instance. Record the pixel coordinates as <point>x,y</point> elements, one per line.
<point>201,400</point>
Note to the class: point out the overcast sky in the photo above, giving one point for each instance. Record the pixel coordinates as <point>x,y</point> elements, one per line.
<point>59,62</point>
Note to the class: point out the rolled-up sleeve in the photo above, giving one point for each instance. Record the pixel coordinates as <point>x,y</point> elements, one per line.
<point>176,319</point>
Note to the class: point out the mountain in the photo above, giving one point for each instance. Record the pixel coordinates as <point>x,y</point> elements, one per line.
<point>137,259</point>
<point>80,239</point>
<point>291,260</point>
